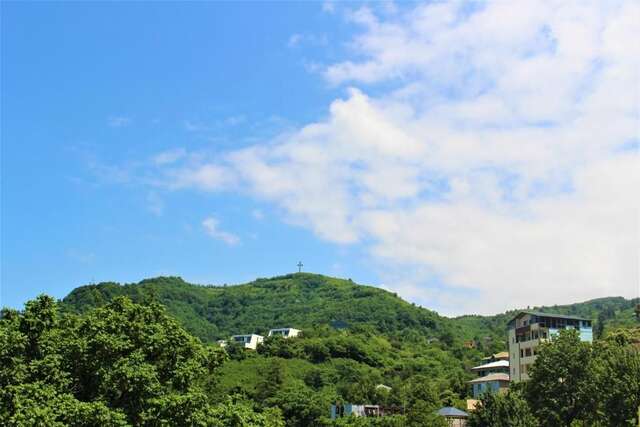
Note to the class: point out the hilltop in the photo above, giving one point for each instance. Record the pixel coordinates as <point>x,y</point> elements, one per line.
<point>302,300</point>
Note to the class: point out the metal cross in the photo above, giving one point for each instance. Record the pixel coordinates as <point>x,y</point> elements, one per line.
<point>300,264</point>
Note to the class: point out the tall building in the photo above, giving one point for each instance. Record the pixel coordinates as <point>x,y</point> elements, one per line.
<point>529,328</point>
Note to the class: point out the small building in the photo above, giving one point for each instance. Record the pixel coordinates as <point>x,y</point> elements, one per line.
<point>222,343</point>
<point>284,332</point>
<point>248,341</point>
<point>339,410</point>
<point>454,416</point>
<point>491,383</point>
<point>530,328</point>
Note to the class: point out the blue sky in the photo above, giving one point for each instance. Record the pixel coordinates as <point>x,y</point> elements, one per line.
<point>441,151</point>
<point>86,87</point>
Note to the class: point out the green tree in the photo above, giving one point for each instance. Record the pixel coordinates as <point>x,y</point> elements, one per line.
<point>502,410</point>
<point>615,372</point>
<point>272,381</point>
<point>560,390</point>
<point>120,364</point>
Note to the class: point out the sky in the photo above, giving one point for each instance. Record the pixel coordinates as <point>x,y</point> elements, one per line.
<point>471,157</point>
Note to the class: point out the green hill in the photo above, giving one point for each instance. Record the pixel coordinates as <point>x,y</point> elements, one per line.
<point>297,300</point>
<point>304,300</point>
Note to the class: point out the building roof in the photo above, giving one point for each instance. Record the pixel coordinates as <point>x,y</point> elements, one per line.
<point>449,411</point>
<point>496,364</point>
<point>500,355</point>
<point>542,314</point>
<point>491,377</point>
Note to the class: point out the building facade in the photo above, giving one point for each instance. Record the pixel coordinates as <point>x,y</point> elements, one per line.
<point>284,332</point>
<point>250,341</point>
<point>529,328</point>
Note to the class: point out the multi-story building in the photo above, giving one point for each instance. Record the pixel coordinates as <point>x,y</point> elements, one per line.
<point>529,328</point>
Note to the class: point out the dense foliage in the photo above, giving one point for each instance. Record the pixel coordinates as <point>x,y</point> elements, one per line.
<point>114,355</point>
<point>304,300</point>
<point>122,364</point>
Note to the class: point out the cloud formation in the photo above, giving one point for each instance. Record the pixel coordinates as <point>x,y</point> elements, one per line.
<point>502,164</point>
<point>211,226</point>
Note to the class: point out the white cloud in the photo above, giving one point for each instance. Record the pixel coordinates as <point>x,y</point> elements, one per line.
<point>493,168</point>
<point>169,156</point>
<point>257,214</point>
<point>119,121</point>
<point>211,227</point>
<point>294,40</point>
<point>328,6</point>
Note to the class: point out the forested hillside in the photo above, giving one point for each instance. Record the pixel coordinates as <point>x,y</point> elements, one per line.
<point>360,344</point>
<point>305,300</point>
<point>297,300</point>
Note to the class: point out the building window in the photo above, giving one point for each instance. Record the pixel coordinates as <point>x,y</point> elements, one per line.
<point>521,353</point>
<point>527,352</point>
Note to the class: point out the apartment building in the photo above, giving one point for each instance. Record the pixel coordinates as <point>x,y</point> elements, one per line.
<point>529,328</point>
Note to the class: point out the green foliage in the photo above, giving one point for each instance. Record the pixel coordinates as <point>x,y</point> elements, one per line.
<point>615,373</point>
<point>121,364</point>
<point>299,300</point>
<point>576,383</point>
<point>558,389</point>
<point>101,359</point>
<point>502,410</point>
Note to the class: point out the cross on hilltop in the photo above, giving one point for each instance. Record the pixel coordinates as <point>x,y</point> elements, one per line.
<point>300,265</point>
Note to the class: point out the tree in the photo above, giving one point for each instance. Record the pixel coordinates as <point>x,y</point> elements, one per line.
<point>271,382</point>
<point>301,407</point>
<point>502,410</point>
<point>559,390</point>
<point>120,364</point>
<point>615,372</point>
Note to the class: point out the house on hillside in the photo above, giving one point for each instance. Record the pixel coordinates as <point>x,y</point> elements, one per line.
<point>339,410</point>
<point>491,383</point>
<point>250,341</point>
<point>493,376</point>
<point>284,332</point>
<point>530,328</point>
<point>454,416</point>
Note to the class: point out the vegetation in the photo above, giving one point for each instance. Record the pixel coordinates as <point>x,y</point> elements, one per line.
<point>122,364</point>
<point>144,354</point>
<point>573,383</point>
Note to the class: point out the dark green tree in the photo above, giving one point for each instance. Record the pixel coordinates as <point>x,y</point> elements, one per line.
<point>615,373</point>
<point>560,389</point>
<point>502,410</point>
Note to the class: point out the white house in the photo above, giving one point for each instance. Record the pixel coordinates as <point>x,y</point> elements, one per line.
<point>284,332</point>
<point>249,341</point>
